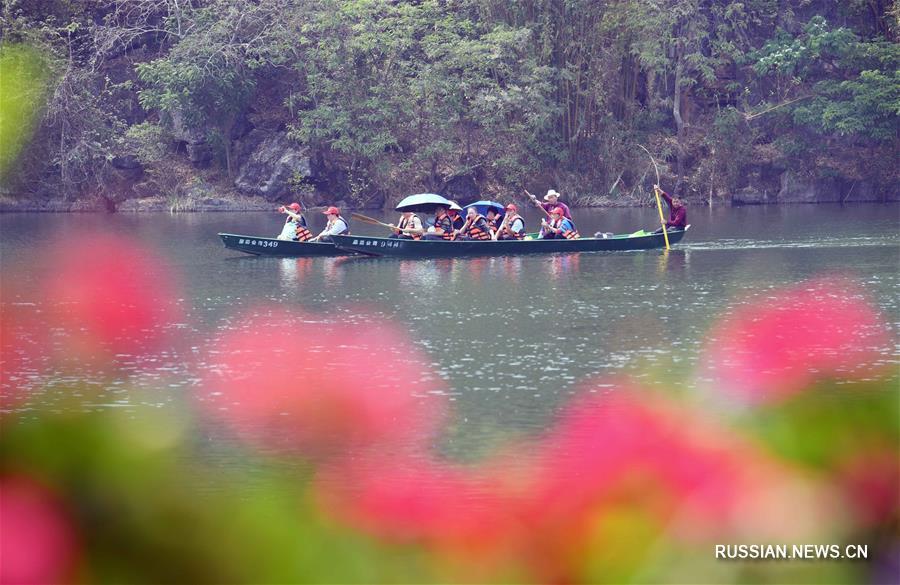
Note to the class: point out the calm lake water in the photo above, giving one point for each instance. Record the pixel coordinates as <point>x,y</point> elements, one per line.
<point>517,334</point>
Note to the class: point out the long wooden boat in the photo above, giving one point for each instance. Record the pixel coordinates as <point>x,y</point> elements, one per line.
<point>374,246</point>
<point>260,246</point>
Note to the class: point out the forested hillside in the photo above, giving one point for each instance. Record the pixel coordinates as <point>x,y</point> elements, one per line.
<point>198,103</point>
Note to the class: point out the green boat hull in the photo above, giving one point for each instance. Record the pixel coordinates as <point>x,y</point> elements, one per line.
<point>259,246</point>
<point>390,247</point>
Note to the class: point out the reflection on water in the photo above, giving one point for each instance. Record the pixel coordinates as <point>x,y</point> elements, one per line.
<point>328,271</point>
<point>673,262</point>
<point>512,336</point>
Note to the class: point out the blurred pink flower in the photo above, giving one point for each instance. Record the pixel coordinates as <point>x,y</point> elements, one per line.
<point>37,542</point>
<point>540,501</point>
<point>444,505</point>
<point>625,444</point>
<point>623,473</point>
<point>775,347</point>
<point>108,292</point>
<point>288,382</point>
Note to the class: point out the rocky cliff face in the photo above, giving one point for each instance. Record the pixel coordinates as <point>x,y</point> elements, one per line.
<point>270,165</point>
<point>795,188</point>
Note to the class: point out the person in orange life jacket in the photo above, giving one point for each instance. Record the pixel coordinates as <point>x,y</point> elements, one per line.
<point>559,226</point>
<point>494,219</point>
<point>455,218</point>
<point>475,227</point>
<point>677,212</point>
<point>335,226</point>
<point>409,227</point>
<point>443,225</point>
<point>513,225</point>
<point>295,228</point>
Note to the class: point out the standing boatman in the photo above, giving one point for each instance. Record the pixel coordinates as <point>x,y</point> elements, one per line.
<point>677,212</point>
<point>551,202</point>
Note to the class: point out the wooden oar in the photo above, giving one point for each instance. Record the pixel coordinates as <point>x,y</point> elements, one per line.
<point>496,235</point>
<point>371,220</point>
<point>535,199</point>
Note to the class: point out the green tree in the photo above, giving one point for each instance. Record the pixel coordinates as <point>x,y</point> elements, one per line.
<point>207,78</point>
<point>851,91</point>
<point>417,86</point>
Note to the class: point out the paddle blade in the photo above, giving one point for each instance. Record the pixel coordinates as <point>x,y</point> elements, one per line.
<point>365,218</point>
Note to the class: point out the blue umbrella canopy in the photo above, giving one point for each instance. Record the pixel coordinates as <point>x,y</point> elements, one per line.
<point>421,200</point>
<point>483,206</point>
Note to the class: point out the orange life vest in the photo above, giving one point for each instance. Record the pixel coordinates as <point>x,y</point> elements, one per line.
<point>571,234</point>
<point>301,232</point>
<point>446,224</point>
<point>477,233</point>
<point>456,220</point>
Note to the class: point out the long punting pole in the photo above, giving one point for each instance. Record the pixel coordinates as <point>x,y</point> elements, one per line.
<point>662,219</point>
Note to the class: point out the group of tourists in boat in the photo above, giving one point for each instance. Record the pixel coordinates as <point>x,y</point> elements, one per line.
<point>449,225</point>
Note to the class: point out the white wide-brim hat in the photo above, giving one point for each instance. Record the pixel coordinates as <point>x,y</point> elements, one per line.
<point>550,193</point>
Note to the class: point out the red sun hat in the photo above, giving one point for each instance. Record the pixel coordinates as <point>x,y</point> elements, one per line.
<point>332,211</point>
<point>512,207</point>
<point>557,210</point>
<point>295,206</point>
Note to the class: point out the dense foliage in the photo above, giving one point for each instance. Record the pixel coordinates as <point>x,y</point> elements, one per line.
<point>463,96</point>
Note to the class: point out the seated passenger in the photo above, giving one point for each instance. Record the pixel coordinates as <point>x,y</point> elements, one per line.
<point>455,217</point>
<point>559,226</point>
<point>475,227</point>
<point>409,227</point>
<point>493,218</point>
<point>443,225</point>
<point>513,226</point>
<point>336,226</point>
<point>295,228</point>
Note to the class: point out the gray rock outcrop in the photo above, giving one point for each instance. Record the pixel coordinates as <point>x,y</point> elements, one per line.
<point>193,140</point>
<point>795,188</point>
<point>267,163</point>
<point>752,196</point>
